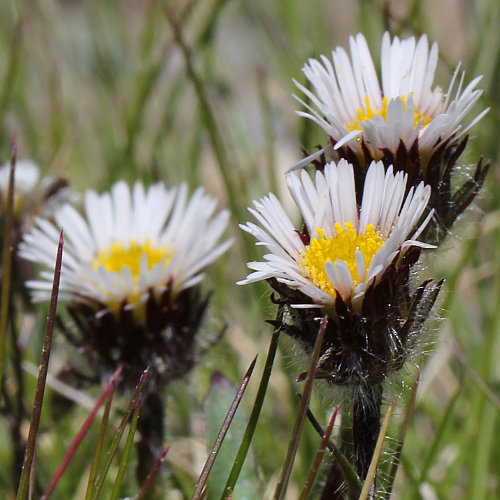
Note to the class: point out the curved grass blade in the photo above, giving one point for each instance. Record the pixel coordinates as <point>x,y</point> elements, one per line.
<point>254,418</point>
<point>366,492</point>
<point>152,474</point>
<point>126,452</point>
<point>22,492</point>
<point>318,457</point>
<point>106,394</point>
<point>301,416</point>
<point>7,260</point>
<point>117,437</point>
<point>220,438</point>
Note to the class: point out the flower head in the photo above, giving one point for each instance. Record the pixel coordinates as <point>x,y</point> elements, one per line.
<point>32,193</point>
<point>352,260</point>
<point>358,113</point>
<point>342,251</point>
<point>130,269</point>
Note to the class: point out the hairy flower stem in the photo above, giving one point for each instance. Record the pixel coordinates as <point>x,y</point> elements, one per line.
<point>151,426</point>
<point>366,425</point>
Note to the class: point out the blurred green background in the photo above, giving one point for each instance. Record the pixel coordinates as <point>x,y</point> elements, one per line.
<point>100,90</point>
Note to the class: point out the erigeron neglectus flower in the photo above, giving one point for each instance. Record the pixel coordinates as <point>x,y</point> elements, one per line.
<point>342,250</point>
<point>403,120</point>
<point>32,193</point>
<point>351,106</point>
<point>352,261</point>
<point>131,272</point>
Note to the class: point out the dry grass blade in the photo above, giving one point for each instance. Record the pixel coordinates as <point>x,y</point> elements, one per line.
<point>22,492</point>
<point>301,416</point>
<point>108,391</point>
<point>318,457</point>
<point>152,474</point>
<point>7,261</point>
<point>200,485</point>
<point>367,492</point>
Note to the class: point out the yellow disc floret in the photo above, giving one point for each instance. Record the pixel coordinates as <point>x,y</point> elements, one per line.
<point>342,246</point>
<point>118,255</point>
<point>368,113</point>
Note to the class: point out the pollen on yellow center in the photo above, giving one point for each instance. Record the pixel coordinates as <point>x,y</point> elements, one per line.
<point>342,246</point>
<point>368,113</point>
<point>119,255</point>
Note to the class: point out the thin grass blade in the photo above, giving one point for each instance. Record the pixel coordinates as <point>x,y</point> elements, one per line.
<point>99,445</point>
<point>397,455</point>
<point>7,261</point>
<point>440,431</point>
<point>350,476</point>
<point>233,189</point>
<point>22,492</point>
<point>318,457</point>
<point>152,474</point>
<point>367,487</point>
<point>106,394</point>
<point>118,435</point>
<point>220,438</point>
<point>126,452</point>
<point>301,416</point>
<point>254,418</point>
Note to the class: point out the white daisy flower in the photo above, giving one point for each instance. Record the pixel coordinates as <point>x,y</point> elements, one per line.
<point>130,244</point>
<point>343,250</point>
<point>351,106</point>
<point>32,193</point>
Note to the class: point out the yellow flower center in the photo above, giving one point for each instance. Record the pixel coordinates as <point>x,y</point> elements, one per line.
<point>368,113</point>
<point>342,246</point>
<point>119,255</point>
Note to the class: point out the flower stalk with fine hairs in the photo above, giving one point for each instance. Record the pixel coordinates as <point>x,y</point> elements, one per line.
<point>131,276</point>
<point>402,120</point>
<point>351,261</point>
